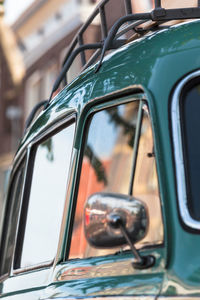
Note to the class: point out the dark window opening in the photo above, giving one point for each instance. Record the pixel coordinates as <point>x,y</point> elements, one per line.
<point>190,125</point>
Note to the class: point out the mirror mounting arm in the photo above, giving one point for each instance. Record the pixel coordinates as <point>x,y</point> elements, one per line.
<point>140,262</point>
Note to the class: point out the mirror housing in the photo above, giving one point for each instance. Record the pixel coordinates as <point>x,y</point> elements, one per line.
<point>102,208</point>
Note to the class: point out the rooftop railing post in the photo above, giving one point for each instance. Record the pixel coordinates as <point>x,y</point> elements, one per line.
<point>128,7</point>
<point>80,41</point>
<point>157,3</point>
<point>104,30</point>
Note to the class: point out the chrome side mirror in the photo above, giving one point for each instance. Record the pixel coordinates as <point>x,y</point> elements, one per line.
<point>113,220</point>
<point>100,211</point>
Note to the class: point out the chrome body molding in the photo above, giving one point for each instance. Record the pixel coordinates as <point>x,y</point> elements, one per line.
<point>178,154</point>
<point>114,298</point>
<point>179,298</point>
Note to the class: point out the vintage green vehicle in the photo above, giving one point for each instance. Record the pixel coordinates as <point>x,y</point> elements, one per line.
<point>103,200</point>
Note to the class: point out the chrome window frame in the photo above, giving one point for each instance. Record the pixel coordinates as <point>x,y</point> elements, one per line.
<point>95,108</point>
<point>178,153</point>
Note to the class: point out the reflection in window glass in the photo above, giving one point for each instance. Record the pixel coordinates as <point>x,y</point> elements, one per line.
<point>4,180</point>
<point>145,185</point>
<point>10,224</point>
<point>106,166</point>
<point>47,196</point>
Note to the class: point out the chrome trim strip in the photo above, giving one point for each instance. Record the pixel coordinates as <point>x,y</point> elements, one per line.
<point>114,297</point>
<point>61,243</point>
<point>186,297</point>
<point>178,154</point>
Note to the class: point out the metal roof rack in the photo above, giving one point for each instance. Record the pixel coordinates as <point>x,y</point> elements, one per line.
<point>111,40</point>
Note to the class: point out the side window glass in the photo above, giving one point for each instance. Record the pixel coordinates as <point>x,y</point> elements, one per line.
<point>11,219</point>
<point>107,167</point>
<point>42,212</point>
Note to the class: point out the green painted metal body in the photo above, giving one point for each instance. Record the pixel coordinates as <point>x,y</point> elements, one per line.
<point>153,64</point>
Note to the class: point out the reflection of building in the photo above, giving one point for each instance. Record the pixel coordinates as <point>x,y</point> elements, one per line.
<point>147,5</point>
<point>44,32</point>
<point>11,75</point>
<point>178,3</point>
<point>79,245</point>
<point>142,6</point>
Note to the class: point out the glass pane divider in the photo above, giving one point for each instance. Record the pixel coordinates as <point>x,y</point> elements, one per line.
<point>136,145</point>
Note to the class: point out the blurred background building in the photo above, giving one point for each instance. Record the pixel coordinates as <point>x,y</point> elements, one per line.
<point>12,72</point>
<point>32,46</point>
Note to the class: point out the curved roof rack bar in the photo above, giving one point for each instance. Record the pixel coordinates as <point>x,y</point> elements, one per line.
<point>104,28</point>
<point>80,42</point>
<point>98,10</point>
<point>128,27</point>
<point>33,113</point>
<point>128,7</point>
<point>70,61</point>
<point>110,40</point>
<point>92,59</point>
<point>97,53</point>
<point>115,29</point>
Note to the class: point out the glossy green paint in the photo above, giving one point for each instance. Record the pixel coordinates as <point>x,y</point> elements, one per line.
<point>156,63</point>
<point>108,275</point>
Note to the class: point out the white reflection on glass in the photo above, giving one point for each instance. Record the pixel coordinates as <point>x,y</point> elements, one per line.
<point>47,198</point>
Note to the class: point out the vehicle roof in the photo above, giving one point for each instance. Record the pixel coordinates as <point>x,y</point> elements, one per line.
<point>155,62</point>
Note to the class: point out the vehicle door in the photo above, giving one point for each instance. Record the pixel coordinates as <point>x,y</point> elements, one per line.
<point>118,156</point>
<point>34,212</point>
